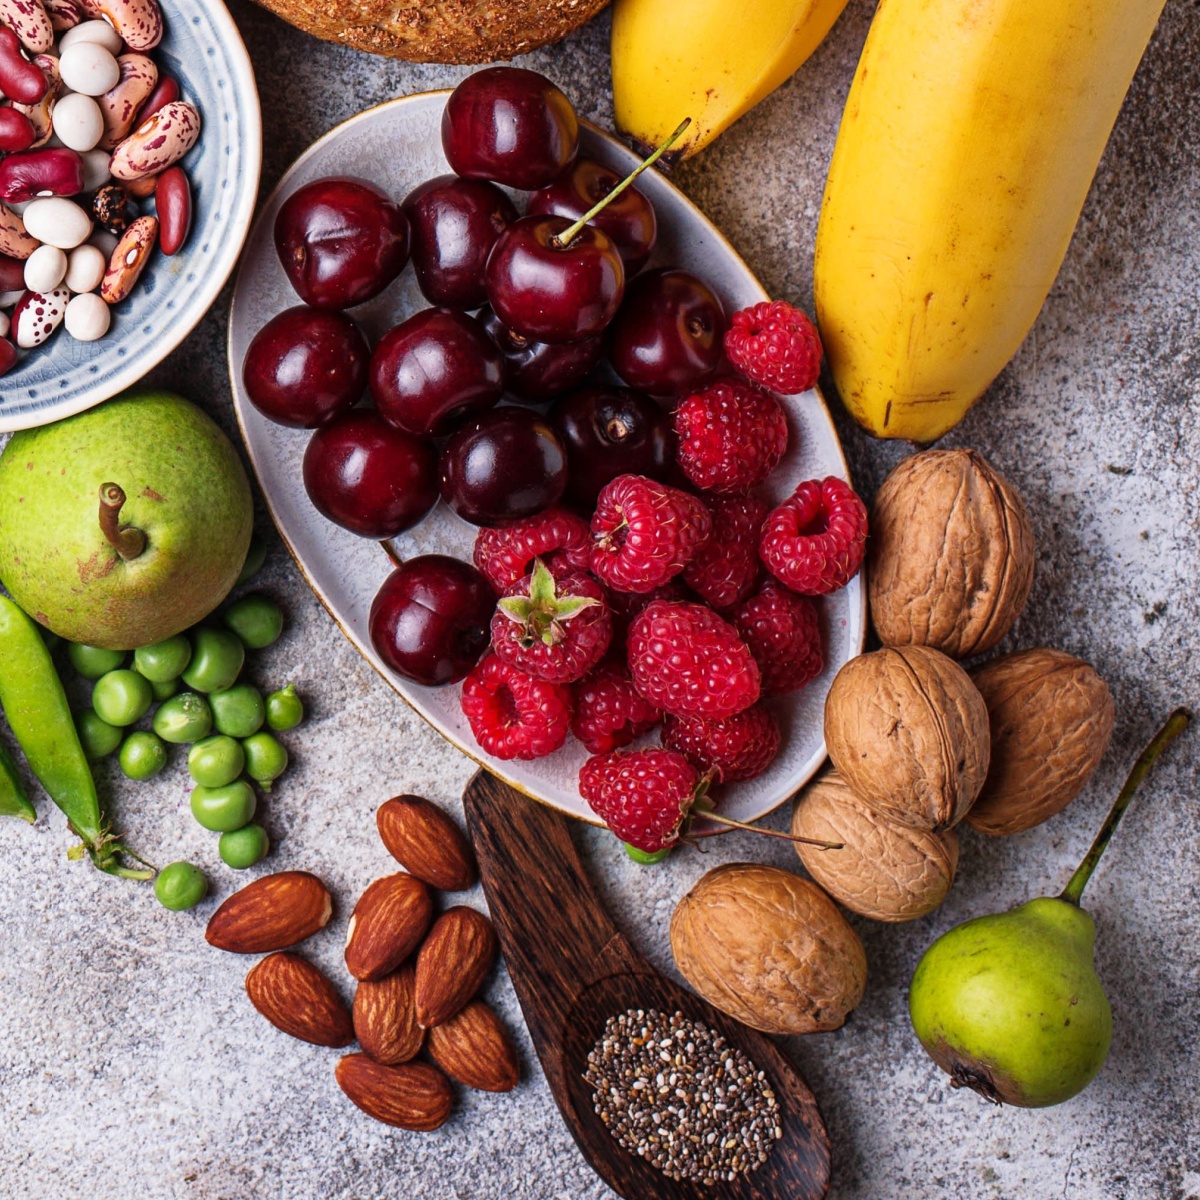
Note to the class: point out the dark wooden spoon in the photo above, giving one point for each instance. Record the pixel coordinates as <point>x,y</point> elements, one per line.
<point>572,970</point>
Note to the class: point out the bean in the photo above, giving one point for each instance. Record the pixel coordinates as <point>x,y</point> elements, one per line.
<point>122,697</point>
<point>63,14</point>
<point>15,240</point>
<point>183,718</point>
<point>216,761</point>
<point>143,755</point>
<point>173,204</point>
<point>164,691</point>
<point>158,142</point>
<point>85,268</point>
<point>129,259</point>
<point>78,121</point>
<point>95,169</point>
<point>266,759</point>
<point>41,114</point>
<point>26,24</point>
<point>37,315</point>
<point>164,660</point>
<point>166,91</point>
<point>120,105</point>
<point>57,222</point>
<point>87,318</point>
<point>238,711</point>
<point>180,886</point>
<point>224,809</point>
<point>12,274</point>
<point>97,737</point>
<point>217,658</point>
<point>16,131</point>
<point>88,68</point>
<point>243,847</point>
<point>8,355</point>
<point>256,619</point>
<point>40,173</point>
<point>285,710</point>
<point>139,22</point>
<point>142,188</point>
<point>14,800</point>
<point>100,32</point>
<point>45,269</point>
<point>93,661</point>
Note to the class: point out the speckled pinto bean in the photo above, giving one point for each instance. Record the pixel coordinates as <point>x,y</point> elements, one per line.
<point>20,80</point>
<point>121,104</point>
<point>158,142</point>
<point>41,114</point>
<point>129,259</point>
<point>16,131</point>
<point>166,91</point>
<point>30,22</point>
<point>57,172</point>
<point>63,14</point>
<point>173,204</point>
<point>14,241</point>
<point>139,22</point>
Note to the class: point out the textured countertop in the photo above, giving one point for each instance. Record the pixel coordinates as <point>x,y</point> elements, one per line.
<point>131,1062</point>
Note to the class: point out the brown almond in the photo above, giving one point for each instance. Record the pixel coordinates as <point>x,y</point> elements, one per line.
<point>474,1048</point>
<point>385,1017</point>
<point>296,997</point>
<point>414,1096</point>
<point>426,842</point>
<point>452,963</point>
<point>387,925</point>
<point>272,913</point>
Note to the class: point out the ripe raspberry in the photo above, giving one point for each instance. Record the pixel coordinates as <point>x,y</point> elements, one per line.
<point>609,711</point>
<point>644,796</point>
<point>726,567</point>
<point>783,631</point>
<point>731,436</point>
<point>814,542</point>
<point>776,345</point>
<point>513,715</point>
<point>644,532</point>
<point>739,747</point>
<point>687,661</point>
<point>505,554</point>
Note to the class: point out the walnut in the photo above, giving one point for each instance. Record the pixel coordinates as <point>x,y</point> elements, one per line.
<point>769,948</point>
<point>1051,719</point>
<point>885,870</point>
<point>952,554</point>
<point>908,730</point>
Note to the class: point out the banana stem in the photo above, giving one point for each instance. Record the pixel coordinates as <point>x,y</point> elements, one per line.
<point>1175,724</point>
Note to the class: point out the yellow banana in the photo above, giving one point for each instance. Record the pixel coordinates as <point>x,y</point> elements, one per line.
<point>970,138</point>
<point>711,60</point>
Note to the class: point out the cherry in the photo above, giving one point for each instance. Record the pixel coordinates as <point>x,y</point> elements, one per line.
<point>305,366</point>
<point>511,126</point>
<point>455,222</point>
<point>430,621</point>
<point>536,371</point>
<point>502,466</point>
<point>341,241</point>
<point>368,477</point>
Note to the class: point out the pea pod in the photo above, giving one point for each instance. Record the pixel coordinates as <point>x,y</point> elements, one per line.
<point>13,800</point>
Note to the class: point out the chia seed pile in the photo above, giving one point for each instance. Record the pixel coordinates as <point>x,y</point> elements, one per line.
<point>672,1091</point>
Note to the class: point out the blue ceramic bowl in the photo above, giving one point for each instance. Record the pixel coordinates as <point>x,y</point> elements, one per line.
<point>203,50</point>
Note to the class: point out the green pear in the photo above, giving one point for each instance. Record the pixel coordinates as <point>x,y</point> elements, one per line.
<point>1010,1004</point>
<point>125,524</point>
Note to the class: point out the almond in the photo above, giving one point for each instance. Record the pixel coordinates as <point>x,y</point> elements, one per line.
<point>296,997</point>
<point>475,1049</point>
<point>385,1017</point>
<point>426,842</point>
<point>456,956</point>
<point>414,1096</point>
<point>271,913</point>
<point>387,925</point>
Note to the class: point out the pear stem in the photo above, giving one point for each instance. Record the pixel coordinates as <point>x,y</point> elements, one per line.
<point>568,235</point>
<point>708,815</point>
<point>126,540</point>
<point>1175,724</point>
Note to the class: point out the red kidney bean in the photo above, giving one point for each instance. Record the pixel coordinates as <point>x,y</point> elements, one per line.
<point>20,80</point>
<point>12,274</point>
<point>8,355</point>
<point>16,131</point>
<point>166,91</point>
<point>57,172</point>
<point>173,203</point>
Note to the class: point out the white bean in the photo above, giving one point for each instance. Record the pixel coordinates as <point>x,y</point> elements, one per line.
<point>100,32</point>
<point>4,324</point>
<point>45,269</point>
<point>88,317</point>
<point>105,242</point>
<point>95,169</point>
<point>87,67</point>
<point>8,299</point>
<point>85,268</point>
<point>56,221</point>
<point>78,121</point>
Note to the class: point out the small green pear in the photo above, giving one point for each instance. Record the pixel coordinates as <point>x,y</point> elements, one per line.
<point>1010,1004</point>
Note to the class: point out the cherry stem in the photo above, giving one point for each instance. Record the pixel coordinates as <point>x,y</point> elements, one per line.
<point>390,551</point>
<point>775,833</point>
<point>1175,724</point>
<point>568,235</point>
<point>126,540</point>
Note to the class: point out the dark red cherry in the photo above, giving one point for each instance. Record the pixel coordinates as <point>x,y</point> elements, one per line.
<point>502,466</point>
<point>668,335</point>
<point>455,222</point>
<point>341,241</point>
<point>305,366</point>
<point>535,371</point>
<point>430,620</point>
<point>368,477</point>
<point>608,432</point>
<point>510,126</point>
<point>629,219</point>
<point>434,369</point>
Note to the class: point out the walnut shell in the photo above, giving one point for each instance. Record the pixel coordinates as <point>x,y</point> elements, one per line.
<point>1051,719</point>
<point>908,730</point>
<point>885,870</point>
<point>952,554</point>
<point>769,948</point>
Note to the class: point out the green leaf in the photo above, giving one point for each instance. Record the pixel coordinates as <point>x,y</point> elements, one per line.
<point>517,608</point>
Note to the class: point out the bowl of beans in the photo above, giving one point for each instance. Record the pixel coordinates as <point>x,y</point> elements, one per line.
<point>130,152</point>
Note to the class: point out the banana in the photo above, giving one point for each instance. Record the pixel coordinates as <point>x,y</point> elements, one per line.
<point>711,60</point>
<point>970,137</point>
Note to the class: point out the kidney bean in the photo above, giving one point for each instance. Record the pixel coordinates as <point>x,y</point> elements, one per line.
<point>158,142</point>
<point>166,91</point>
<point>57,172</point>
<point>8,356</point>
<point>14,241</point>
<point>139,22</point>
<point>37,316</point>
<point>121,104</point>
<point>173,203</point>
<point>30,22</point>
<point>41,114</point>
<point>63,14</point>
<point>20,80</point>
<point>129,260</point>
<point>12,274</point>
<point>16,131</point>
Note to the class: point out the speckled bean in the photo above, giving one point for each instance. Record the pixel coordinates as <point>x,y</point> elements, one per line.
<point>158,142</point>
<point>63,14</point>
<point>41,114</point>
<point>129,259</point>
<point>14,241</point>
<point>30,22</point>
<point>20,80</point>
<point>121,105</point>
<point>139,22</point>
<point>37,316</point>
<point>54,172</point>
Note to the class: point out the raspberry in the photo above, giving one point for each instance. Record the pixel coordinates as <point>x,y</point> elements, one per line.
<point>783,631</point>
<point>726,567</point>
<point>776,345</point>
<point>505,554</point>
<point>513,715</point>
<point>644,532</point>
<point>739,747</point>
<point>814,542</point>
<point>731,436</point>
<point>687,661</point>
<point>609,711</point>
<point>644,796</point>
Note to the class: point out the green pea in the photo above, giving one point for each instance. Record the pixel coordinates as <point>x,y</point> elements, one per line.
<point>165,690</point>
<point>183,718</point>
<point>216,761</point>
<point>256,619</point>
<point>224,809</point>
<point>93,661</point>
<point>143,755</point>
<point>163,661</point>
<point>266,759</point>
<point>122,697</point>
<point>97,737</point>
<point>238,711</point>
<point>645,857</point>
<point>217,658</point>
<point>180,886</point>
<point>243,847</point>
<point>256,555</point>
<point>285,710</point>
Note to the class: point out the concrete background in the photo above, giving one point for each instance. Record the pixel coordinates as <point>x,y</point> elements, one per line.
<point>130,1061</point>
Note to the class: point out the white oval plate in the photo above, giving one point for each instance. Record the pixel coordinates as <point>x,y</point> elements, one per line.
<point>397,146</point>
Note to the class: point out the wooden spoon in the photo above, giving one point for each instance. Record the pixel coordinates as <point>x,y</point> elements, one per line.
<point>572,970</point>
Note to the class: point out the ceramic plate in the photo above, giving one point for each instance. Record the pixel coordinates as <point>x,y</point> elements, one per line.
<point>397,146</point>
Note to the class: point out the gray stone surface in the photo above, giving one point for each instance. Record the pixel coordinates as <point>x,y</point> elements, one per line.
<point>130,1061</point>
